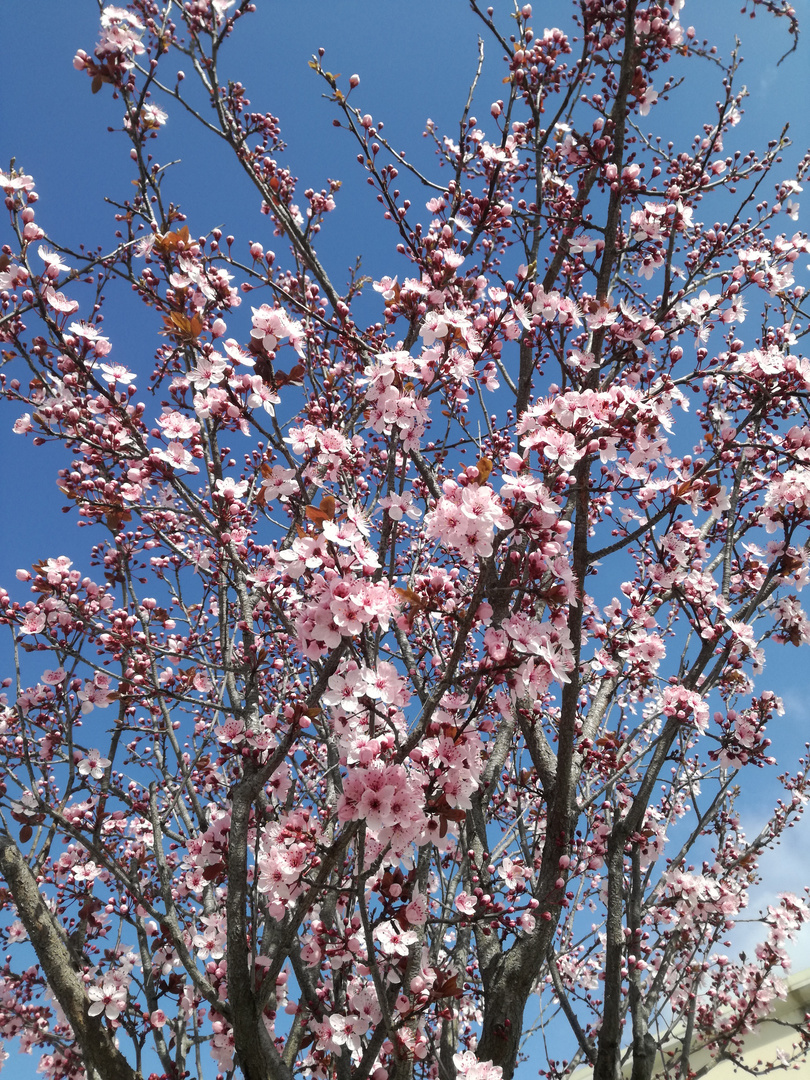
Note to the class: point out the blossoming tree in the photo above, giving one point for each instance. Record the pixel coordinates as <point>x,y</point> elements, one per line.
<point>412,669</point>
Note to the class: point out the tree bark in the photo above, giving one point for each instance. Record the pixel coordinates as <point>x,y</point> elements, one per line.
<point>257,1055</point>
<point>101,1056</point>
<point>507,991</point>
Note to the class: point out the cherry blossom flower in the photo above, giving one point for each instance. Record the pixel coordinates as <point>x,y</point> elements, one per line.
<point>347,1030</point>
<point>53,260</point>
<point>117,373</point>
<point>393,941</point>
<point>88,333</point>
<point>209,371</point>
<point>686,706</point>
<point>13,275</point>
<point>33,623</point>
<point>400,505</point>
<point>211,942</point>
<point>95,693</point>
<point>152,116</point>
<point>235,352</point>
<point>271,325</point>
<point>465,903</point>
<point>261,396</point>
<point>109,999</point>
<point>93,764</point>
<point>16,932</point>
<point>59,302</point>
<point>417,911</point>
<point>230,489</point>
<point>11,182</point>
<point>465,517</point>
<point>648,99</point>
<point>511,873</point>
<point>278,483</point>
<point>23,424</point>
<point>177,425</point>
<point>121,33</point>
<point>178,457</point>
<point>470,1068</point>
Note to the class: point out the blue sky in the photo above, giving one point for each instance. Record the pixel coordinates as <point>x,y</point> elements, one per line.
<point>415,62</point>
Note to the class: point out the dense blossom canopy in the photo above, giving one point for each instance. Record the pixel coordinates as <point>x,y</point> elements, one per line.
<point>416,665</point>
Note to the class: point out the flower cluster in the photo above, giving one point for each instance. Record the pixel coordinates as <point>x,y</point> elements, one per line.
<point>464,518</point>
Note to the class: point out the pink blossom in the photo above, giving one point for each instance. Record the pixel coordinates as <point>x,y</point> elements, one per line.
<point>235,352</point>
<point>470,1068</point>
<point>400,505</point>
<point>230,489</point>
<point>271,325</point>
<point>511,873</point>
<point>93,764</point>
<point>393,941</point>
<point>278,483</point>
<point>96,693</point>
<point>417,911</point>
<point>686,706</point>
<point>13,275</point>
<point>208,371</point>
<point>117,373</point>
<point>152,116</point>
<point>177,425</point>
<point>465,903</point>
<point>261,396</point>
<point>347,1030</point>
<point>649,98</point>
<point>59,302</point>
<point>108,999</point>
<point>53,260</point>
<point>464,518</point>
<point>178,457</point>
<point>10,182</point>
<point>367,631</point>
<point>33,623</point>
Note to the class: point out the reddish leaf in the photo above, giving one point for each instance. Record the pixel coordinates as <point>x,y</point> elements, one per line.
<point>325,512</point>
<point>484,466</point>
<point>172,240</point>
